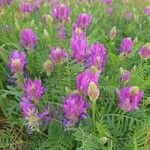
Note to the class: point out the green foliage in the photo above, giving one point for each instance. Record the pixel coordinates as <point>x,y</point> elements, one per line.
<point>115,129</point>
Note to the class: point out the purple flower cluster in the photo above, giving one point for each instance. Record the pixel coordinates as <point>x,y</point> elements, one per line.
<point>147,11</point>
<point>107,2</point>
<point>78,43</point>
<point>145,51</point>
<point>28,38</point>
<point>83,80</point>
<point>61,12</point>
<point>61,34</point>
<point>97,56</point>
<point>57,55</point>
<point>79,47</point>
<point>129,98</point>
<point>109,10</point>
<point>126,46</point>
<point>128,15</point>
<point>35,5</point>
<point>17,62</point>
<point>84,21</point>
<point>27,108</point>
<point>74,108</point>
<point>33,90</point>
<point>5,2</point>
<point>125,75</point>
<point>25,7</point>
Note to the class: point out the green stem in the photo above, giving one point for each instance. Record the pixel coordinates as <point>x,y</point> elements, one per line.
<point>93,111</point>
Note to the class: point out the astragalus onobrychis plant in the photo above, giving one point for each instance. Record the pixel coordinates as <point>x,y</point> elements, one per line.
<point>74,75</point>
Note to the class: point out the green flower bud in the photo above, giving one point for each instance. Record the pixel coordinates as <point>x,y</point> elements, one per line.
<point>93,91</point>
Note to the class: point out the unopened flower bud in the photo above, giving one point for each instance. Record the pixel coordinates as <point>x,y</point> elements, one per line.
<point>103,140</point>
<point>46,34</point>
<point>113,33</point>
<point>49,19</point>
<point>93,91</point>
<point>48,67</point>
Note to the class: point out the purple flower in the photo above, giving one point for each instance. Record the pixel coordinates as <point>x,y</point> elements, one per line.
<point>109,10</point>
<point>125,75</point>
<point>33,90</point>
<point>83,80</point>
<point>79,48</point>
<point>84,20</point>
<point>45,115</point>
<point>28,38</point>
<point>77,32</point>
<point>97,56</point>
<point>147,11</point>
<point>30,113</point>
<point>36,5</point>
<point>17,61</point>
<point>126,45</point>
<point>5,2</point>
<point>61,33</point>
<point>8,2</point>
<point>107,2</point>
<point>128,15</point>
<point>25,8</point>
<point>145,51</point>
<point>74,108</point>
<point>27,107</point>
<point>129,98</point>
<point>57,55</point>
<point>61,12</point>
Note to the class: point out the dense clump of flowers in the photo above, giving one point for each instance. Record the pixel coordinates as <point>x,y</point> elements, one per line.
<point>126,46</point>
<point>128,15</point>
<point>61,12</point>
<point>125,75</point>
<point>33,90</point>
<point>129,98</point>
<point>147,11</point>
<point>107,2</point>
<point>25,7</point>
<point>97,56</point>
<point>113,33</point>
<point>145,51</point>
<point>84,79</point>
<point>28,38</point>
<point>84,21</point>
<point>17,62</point>
<point>57,55</point>
<point>74,109</point>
